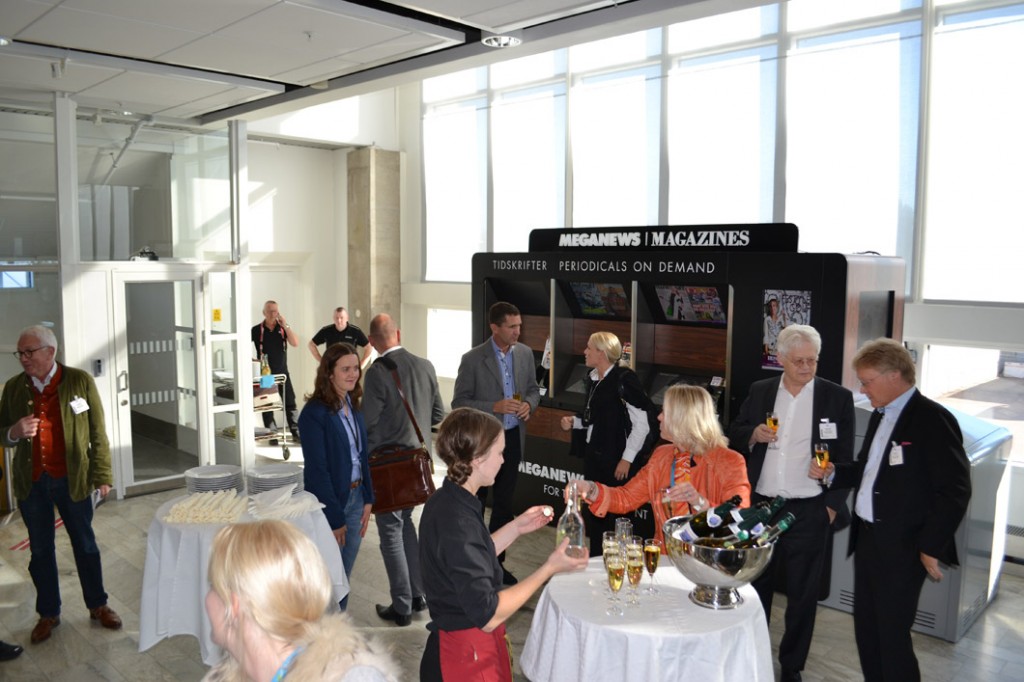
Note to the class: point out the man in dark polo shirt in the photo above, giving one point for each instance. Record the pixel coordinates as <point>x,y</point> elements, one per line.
<point>272,337</point>
<point>340,332</point>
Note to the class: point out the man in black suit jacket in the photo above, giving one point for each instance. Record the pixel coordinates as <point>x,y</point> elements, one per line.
<point>913,483</point>
<point>810,410</point>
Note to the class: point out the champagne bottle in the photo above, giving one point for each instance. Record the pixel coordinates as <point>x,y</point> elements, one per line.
<point>264,365</point>
<point>768,536</point>
<point>570,525</point>
<point>703,524</point>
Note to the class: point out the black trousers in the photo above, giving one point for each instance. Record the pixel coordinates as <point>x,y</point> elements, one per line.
<point>887,581</point>
<point>799,555</point>
<point>504,488</point>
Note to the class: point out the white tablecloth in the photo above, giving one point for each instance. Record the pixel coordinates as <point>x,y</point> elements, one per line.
<point>174,582</point>
<point>666,637</point>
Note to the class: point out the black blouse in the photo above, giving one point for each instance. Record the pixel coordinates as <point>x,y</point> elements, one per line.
<point>461,573</point>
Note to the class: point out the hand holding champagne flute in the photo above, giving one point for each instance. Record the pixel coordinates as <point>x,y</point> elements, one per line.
<point>772,421</point>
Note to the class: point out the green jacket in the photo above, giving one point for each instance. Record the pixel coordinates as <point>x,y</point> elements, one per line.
<point>85,435</point>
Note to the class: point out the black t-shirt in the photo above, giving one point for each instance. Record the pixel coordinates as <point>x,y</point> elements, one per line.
<point>351,335</point>
<point>274,344</point>
<point>461,573</point>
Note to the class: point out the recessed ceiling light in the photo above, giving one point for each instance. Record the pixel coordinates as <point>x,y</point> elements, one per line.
<point>501,41</point>
<point>4,41</point>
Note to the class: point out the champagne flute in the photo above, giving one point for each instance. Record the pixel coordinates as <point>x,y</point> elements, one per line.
<point>634,566</point>
<point>772,420</point>
<point>821,456</point>
<point>609,543</point>
<point>615,567</point>
<point>652,552</point>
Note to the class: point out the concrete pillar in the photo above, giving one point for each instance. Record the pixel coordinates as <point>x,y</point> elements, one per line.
<point>374,253</point>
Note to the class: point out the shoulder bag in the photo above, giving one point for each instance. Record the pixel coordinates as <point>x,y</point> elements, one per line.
<point>402,477</point>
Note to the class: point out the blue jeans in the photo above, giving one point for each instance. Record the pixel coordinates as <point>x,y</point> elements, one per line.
<point>37,511</point>
<point>353,521</point>
<point>401,551</point>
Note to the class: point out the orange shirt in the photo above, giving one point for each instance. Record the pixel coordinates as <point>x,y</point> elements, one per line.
<point>717,476</point>
<point>48,444</point>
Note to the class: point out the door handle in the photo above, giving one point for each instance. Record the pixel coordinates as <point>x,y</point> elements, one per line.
<point>122,381</point>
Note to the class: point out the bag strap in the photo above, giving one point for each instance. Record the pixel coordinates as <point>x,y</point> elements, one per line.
<point>390,364</point>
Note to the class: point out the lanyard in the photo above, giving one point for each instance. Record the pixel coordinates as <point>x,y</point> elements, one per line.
<point>350,423</point>
<point>686,471</point>
<point>263,325</point>
<point>283,670</point>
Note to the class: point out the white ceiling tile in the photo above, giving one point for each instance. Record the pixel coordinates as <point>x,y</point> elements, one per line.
<point>34,73</point>
<point>200,16</point>
<point>227,98</point>
<point>150,90</point>
<point>15,15</point>
<point>106,34</point>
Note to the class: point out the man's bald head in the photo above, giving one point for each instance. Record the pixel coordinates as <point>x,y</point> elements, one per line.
<point>384,333</point>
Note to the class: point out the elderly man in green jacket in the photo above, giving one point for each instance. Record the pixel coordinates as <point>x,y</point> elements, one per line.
<point>53,418</point>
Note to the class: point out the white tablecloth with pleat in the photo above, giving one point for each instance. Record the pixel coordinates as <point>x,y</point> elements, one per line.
<point>174,582</point>
<point>666,637</point>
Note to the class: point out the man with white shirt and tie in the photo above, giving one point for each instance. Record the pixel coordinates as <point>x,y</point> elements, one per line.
<point>913,484</point>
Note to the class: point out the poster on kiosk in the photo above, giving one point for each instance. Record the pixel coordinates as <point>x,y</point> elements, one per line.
<point>699,304</point>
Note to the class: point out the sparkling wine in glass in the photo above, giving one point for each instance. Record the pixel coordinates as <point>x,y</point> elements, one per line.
<point>821,456</point>
<point>634,567</point>
<point>772,420</point>
<point>652,553</point>
<point>615,567</point>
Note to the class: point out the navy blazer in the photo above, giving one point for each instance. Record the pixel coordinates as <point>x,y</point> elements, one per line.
<point>328,460</point>
<point>831,401</point>
<point>921,501</point>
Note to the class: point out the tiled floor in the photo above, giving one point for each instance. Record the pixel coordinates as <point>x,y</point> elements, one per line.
<point>993,650</point>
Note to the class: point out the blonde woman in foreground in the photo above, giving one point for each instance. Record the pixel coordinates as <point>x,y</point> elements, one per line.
<point>269,596</point>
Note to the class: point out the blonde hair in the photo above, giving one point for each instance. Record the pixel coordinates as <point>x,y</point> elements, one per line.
<point>886,355</point>
<point>609,344</point>
<point>690,419</point>
<point>278,577</point>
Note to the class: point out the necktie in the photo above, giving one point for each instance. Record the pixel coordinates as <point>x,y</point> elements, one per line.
<point>876,419</point>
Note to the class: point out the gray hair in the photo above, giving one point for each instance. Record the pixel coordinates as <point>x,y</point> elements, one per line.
<point>45,335</point>
<point>796,334</point>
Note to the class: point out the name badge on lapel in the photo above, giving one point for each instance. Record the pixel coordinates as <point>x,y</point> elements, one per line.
<point>896,454</point>
<point>78,405</point>
<point>827,430</point>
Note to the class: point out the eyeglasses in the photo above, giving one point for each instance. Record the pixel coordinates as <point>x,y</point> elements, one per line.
<point>803,362</point>
<point>27,353</point>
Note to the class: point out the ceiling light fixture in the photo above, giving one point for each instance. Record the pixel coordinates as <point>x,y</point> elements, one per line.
<point>501,41</point>
<point>4,41</point>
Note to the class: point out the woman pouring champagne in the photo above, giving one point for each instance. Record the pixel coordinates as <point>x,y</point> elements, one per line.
<point>693,472</point>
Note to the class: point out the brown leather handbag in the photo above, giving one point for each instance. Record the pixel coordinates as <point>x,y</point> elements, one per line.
<point>402,477</point>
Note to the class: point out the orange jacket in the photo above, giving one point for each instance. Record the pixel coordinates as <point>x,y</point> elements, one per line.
<point>717,476</point>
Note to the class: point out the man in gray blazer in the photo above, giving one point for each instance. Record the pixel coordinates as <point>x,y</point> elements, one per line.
<point>499,377</point>
<point>388,423</point>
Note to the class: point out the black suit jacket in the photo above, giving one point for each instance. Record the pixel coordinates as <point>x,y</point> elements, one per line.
<point>831,401</point>
<point>922,501</point>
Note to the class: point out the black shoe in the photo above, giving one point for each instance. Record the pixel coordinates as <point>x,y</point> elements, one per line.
<point>507,578</point>
<point>419,604</point>
<point>389,613</point>
<point>791,676</point>
<point>9,652</point>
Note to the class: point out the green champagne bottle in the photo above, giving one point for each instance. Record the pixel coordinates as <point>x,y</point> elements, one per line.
<point>703,524</point>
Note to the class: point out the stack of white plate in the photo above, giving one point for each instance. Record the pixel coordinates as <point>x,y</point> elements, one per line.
<point>214,477</point>
<point>272,476</point>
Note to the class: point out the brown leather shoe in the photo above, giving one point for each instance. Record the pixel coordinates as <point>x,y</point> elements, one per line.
<point>41,632</point>
<point>106,616</point>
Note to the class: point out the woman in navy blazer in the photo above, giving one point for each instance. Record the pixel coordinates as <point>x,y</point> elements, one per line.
<point>337,468</point>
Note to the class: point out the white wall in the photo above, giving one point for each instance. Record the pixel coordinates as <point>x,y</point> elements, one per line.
<point>359,121</point>
<point>297,241</point>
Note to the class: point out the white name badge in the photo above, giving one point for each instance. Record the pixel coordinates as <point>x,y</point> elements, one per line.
<point>78,405</point>
<point>896,455</point>
<point>827,431</point>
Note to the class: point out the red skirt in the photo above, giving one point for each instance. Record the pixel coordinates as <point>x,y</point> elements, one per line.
<point>473,654</point>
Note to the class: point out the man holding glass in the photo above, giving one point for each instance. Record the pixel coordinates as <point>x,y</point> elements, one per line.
<point>810,411</point>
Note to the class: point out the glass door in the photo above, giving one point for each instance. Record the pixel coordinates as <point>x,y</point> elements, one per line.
<point>156,367</point>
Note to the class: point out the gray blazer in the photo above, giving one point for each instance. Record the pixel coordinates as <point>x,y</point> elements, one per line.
<point>479,385</point>
<point>387,422</point>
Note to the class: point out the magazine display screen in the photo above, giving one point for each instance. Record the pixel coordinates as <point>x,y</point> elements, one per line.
<point>599,299</point>
<point>691,304</point>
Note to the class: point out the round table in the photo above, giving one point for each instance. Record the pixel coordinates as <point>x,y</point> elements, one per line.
<point>666,637</point>
<point>174,582</point>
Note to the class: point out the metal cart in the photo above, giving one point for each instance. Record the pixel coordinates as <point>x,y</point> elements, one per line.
<point>281,436</point>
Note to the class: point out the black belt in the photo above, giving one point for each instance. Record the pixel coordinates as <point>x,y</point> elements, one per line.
<point>356,483</point>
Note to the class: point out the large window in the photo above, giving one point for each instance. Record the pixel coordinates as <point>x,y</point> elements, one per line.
<point>806,111</point>
<point>973,241</point>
